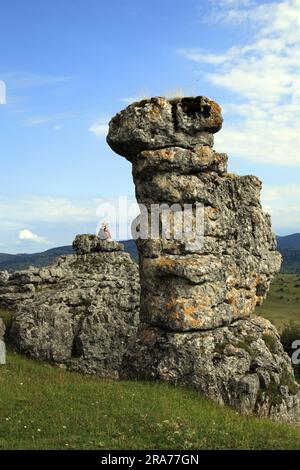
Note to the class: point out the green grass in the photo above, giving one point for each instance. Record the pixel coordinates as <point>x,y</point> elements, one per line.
<point>282,305</point>
<point>42,407</point>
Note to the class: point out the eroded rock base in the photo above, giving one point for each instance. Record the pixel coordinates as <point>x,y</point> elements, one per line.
<point>242,365</point>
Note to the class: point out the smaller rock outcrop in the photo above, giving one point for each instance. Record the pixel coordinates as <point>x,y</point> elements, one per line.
<point>79,312</point>
<point>91,244</point>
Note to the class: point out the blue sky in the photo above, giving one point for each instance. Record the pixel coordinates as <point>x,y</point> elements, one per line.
<point>70,65</point>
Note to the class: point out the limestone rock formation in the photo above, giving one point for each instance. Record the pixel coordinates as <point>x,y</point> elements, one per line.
<point>184,290</point>
<point>78,312</point>
<point>198,299</point>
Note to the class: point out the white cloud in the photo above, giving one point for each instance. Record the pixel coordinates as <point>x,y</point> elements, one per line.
<point>27,235</point>
<point>23,80</point>
<point>232,3</point>
<point>283,203</point>
<point>38,211</point>
<point>238,11</point>
<point>60,219</point>
<point>99,129</point>
<point>38,120</point>
<point>282,193</point>
<point>31,209</point>
<point>197,55</point>
<point>2,92</point>
<point>264,76</point>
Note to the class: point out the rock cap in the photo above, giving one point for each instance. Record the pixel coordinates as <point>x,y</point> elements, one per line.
<point>159,122</point>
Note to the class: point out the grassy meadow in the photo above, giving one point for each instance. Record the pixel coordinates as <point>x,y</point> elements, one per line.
<point>44,407</point>
<point>282,305</point>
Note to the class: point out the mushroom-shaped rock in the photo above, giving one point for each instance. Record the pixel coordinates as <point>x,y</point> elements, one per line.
<point>194,286</point>
<point>198,299</point>
<point>157,123</point>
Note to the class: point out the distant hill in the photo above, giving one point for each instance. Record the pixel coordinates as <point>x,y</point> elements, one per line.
<point>289,242</point>
<point>5,257</point>
<point>289,247</point>
<point>22,261</point>
<point>130,247</point>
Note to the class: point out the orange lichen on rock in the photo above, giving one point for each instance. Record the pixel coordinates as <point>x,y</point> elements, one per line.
<point>165,262</point>
<point>215,106</point>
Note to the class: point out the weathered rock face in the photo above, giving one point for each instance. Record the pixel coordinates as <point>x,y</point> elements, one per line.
<point>196,295</point>
<point>184,288</point>
<point>79,312</point>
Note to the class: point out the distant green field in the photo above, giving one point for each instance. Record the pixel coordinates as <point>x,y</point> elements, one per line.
<point>283,302</point>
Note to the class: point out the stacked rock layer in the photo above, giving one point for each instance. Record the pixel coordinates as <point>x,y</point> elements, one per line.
<point>198,299</point>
